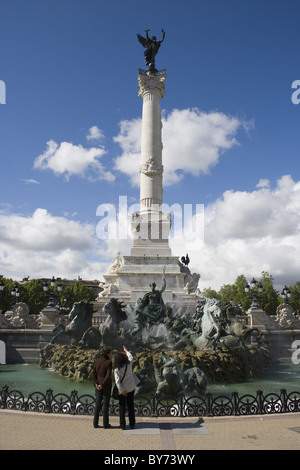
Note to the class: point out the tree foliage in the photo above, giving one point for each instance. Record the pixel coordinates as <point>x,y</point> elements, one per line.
<point>6,297</point>
<point>295,296</point>
<point>32,293</point>
<point>268,299</point>
<point>235,292</point>
<point>75,293</point>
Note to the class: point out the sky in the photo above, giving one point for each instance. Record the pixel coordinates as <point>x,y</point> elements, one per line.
<point>70,129</point>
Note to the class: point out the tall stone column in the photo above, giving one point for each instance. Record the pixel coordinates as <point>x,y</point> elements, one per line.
<point>151,90</point>
<point>151,226</point>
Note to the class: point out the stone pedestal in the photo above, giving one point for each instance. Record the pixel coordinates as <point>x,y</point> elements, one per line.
<point>132,281</point>
<point>49,317</point>
<point>258,318</point>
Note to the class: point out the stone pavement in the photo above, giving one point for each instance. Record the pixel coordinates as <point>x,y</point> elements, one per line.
<point>40,431</point>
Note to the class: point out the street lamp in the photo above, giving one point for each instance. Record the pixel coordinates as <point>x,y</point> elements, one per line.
<point>64,308</point>
<point>1,289</point>
<point>286,294</point>
<point>52,295</point>
<point>15,293</point>
<point>253,294</point>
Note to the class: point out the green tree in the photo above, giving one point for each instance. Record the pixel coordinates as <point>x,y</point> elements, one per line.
<point>269,298</point>
<point>235,292</point>
<point>75,293</point>
<point>211,293</point>
<point>295,296</point>
<point>32,294</point>
<point>6,297</point>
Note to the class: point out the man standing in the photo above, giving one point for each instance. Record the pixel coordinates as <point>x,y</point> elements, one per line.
<point>101,376</point>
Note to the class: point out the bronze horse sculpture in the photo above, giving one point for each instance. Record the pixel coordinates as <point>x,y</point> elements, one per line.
<point>109,331</point>
<point>220,329</point>
<point>234,327</point>
<point>79,320</point>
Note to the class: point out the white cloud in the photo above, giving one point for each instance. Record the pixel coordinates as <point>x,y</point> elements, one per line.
<point>95,133</point>
<point>250,232</point>
<point>263,183</point>
<point>44,232</point>
<point>257,214</point>
<point>245,233</point>
<point>192,143</point>
<point>30,181</point>
<point>69,160</point>
<point>129,140</point>
<point>42,244</point>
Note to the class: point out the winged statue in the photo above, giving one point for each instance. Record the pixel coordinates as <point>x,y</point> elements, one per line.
<point>151,45</point>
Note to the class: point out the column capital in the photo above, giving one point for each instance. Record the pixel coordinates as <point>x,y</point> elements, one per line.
<point>151,83</point>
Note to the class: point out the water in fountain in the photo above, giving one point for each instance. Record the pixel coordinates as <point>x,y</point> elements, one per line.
<point>161,335</point>
<point>28,378</point>
<point>127,324</point>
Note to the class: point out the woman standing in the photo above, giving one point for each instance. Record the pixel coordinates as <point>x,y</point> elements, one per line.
<point>101,376</point>
<point>126,382</point>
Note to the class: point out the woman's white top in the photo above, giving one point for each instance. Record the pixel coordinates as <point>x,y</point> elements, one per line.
<point>130,380</point>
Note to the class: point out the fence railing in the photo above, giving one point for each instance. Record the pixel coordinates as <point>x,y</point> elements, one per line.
<point>155,406</point>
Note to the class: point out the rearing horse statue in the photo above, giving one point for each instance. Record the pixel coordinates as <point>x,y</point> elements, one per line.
<point>80,318</point>
<point>209,325</point>
<point>236,327</point>
<point>108,332</point>
<point>220,330</point>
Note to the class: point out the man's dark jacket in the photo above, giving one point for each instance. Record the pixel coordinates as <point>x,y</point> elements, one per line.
<point>101,374</point>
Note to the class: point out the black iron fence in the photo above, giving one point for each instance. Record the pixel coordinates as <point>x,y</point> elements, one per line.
<point>155,406</point>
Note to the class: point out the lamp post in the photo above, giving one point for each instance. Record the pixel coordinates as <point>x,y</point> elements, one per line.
<point>52,295</point>
<point>286,294</point>
<point>64,308</point>
<point>15,293</point>
<point>1,290</point>
<point>253,294</point>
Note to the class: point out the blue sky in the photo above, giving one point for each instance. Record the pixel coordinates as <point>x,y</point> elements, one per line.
<point>69,131</point>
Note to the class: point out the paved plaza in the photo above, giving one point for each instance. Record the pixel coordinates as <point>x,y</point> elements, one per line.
<point>39,431</point>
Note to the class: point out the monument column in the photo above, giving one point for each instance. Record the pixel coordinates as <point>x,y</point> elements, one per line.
<point>151,90</point>
<point>151,227</point>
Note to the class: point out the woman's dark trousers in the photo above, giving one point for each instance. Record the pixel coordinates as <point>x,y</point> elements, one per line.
<point>102,401</point>
<point>123,401</point>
